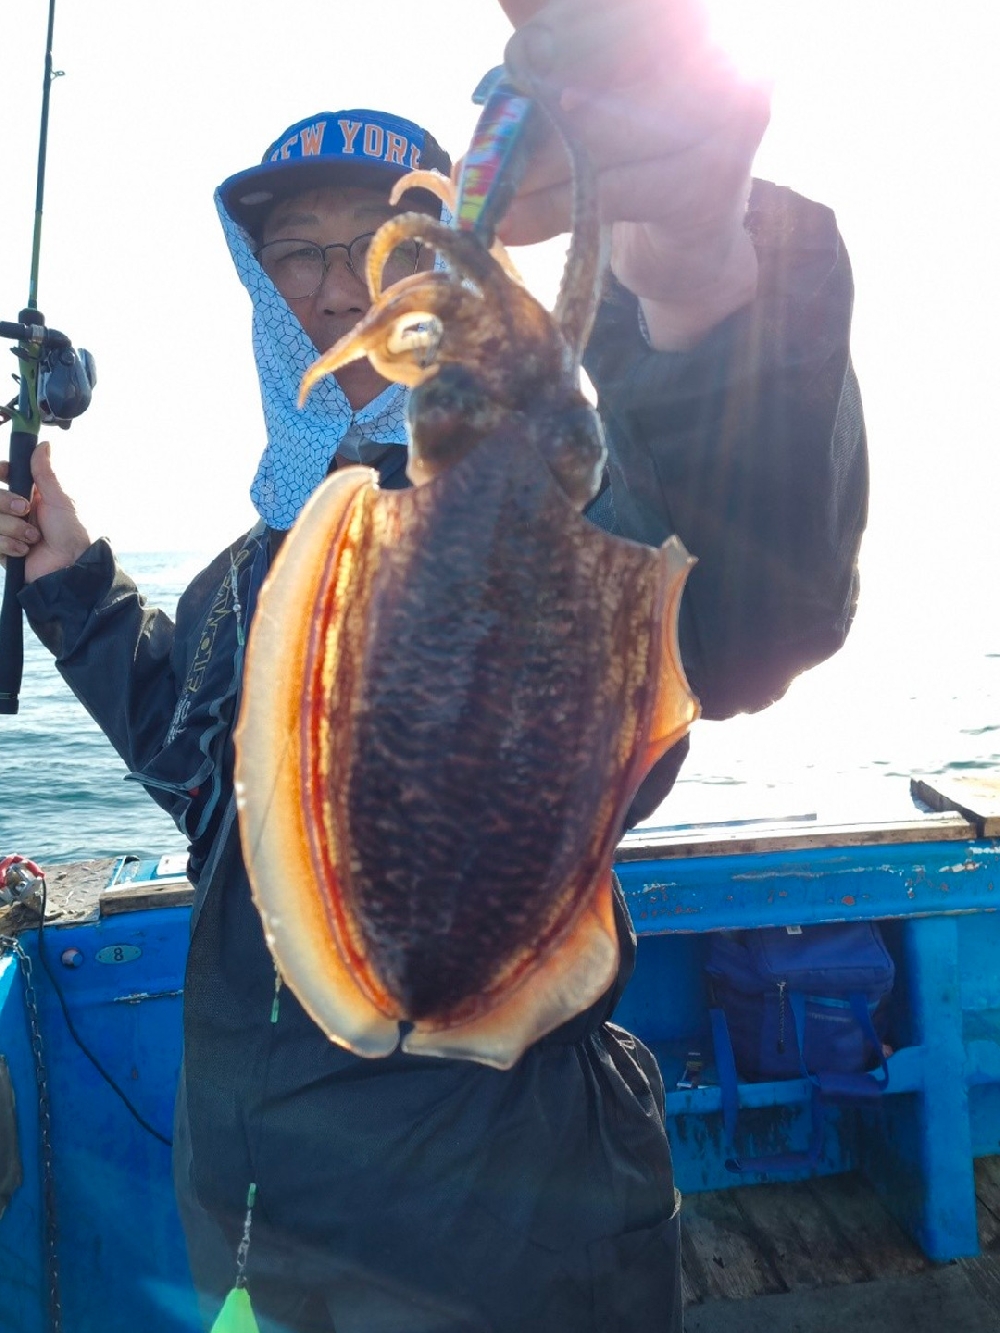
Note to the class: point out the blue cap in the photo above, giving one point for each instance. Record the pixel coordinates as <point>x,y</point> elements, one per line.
<point>356,147</point>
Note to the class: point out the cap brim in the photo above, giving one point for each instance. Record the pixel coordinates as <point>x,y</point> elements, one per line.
<point>249,195</point>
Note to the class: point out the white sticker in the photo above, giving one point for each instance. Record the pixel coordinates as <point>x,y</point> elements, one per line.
<point>174,863</point>
<point>118,953</point>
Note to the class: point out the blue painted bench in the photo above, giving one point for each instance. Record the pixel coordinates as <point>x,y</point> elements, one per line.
<point>934,884</point>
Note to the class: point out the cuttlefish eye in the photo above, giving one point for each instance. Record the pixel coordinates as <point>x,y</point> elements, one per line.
<point>416,335</point>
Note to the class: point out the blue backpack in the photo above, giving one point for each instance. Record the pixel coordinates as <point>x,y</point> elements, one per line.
<point>799,1002</point>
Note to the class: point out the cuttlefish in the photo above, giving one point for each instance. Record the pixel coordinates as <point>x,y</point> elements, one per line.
<point>453,691</point>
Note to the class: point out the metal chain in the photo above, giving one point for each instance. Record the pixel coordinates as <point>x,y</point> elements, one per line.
<point>8,944</point>
<point>244,1246</point>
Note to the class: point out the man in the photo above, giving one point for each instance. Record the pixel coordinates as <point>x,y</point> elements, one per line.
<point>420,1194</point>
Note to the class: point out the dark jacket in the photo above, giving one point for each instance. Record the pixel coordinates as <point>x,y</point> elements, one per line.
<point>541,1198</point>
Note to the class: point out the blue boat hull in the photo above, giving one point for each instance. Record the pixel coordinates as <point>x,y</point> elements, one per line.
<point>121,1256</point>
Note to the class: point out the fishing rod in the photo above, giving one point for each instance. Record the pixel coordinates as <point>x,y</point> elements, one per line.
<point>54,386</point>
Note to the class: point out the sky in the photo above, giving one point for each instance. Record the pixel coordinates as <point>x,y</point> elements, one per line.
<point>886,110</point>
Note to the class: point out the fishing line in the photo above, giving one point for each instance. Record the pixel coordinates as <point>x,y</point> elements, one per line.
<point>133,1111</point>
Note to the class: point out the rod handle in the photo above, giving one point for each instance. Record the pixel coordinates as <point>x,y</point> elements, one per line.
<point>22,444</point>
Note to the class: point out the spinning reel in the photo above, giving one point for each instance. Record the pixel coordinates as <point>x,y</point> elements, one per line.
<point>65,375</point>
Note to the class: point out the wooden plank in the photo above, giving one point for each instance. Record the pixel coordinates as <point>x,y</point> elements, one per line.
<point>983,1273</point>
<point>987,1172</point>
<point>72,891</point>
<point>77,892</point>
<point>974,795</point>
<point>743,1247</point>
<point>721,1255</point>
<point>689,1293</point>
<point>795,1231</point>
<point>881,1245</point>
<point>666,844</point>
<point>143,896</point>
<point>940,1300</point>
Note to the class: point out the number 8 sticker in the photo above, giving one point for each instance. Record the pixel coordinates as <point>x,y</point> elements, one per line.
<point>118,953</point>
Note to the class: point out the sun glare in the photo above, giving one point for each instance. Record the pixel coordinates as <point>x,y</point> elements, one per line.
<point>753,33</point>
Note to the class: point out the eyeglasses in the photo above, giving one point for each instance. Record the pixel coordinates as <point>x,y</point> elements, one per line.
<point>297,268</point>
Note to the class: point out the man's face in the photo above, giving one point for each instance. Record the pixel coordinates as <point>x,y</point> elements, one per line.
<point>324,216</point>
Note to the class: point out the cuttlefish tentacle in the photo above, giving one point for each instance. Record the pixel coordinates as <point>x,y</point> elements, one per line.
<point>444,189</point>
<point>390,336</point>
<point>466,325</point>
<point>492,273</point>
<point>421,179</point>
<point>425,298</point>
<point>580,288</point>
<point>465,254</point>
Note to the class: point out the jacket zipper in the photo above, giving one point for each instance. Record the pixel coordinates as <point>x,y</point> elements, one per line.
<point>782,987</point>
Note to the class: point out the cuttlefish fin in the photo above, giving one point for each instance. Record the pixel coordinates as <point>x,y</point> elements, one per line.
<point>675,708</point>
<point>289,887</point>
<point>572,978</point>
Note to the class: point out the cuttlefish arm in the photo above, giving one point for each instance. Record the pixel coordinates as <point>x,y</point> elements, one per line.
<point>430,319</point>
<point>385,240</point>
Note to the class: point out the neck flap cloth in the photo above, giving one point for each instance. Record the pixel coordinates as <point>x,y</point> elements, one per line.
<point>301,443</point>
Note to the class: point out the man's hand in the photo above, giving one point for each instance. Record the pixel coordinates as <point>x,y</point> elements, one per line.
<point>672,129</point>
<point>48,534</point>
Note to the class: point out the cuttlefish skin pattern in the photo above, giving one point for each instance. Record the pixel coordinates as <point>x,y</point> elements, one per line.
<point>452,692</point>
<point>503,660</point>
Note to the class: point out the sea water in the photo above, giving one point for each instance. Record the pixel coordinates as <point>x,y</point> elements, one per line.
<point>65,795</point>
<point>842,744</point>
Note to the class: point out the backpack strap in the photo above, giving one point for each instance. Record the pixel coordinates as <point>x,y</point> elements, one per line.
<point>823,1087</point>
<point>728,1086</point>
<point>861,1085</point>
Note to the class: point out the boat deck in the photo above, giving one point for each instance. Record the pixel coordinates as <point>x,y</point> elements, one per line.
<point>825,1256</point>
